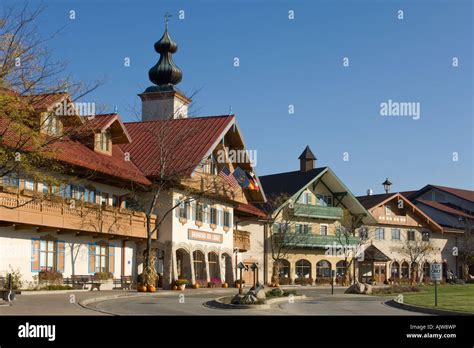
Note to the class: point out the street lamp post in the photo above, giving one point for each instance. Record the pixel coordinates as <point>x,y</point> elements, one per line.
<point>254,268</point>
<point>386,185</point>
<point>241,267</point>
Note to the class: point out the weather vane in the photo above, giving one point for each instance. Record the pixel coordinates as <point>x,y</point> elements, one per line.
<point>167,17</point>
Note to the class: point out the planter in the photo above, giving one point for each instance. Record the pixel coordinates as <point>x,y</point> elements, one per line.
<point>182,287</point>
<point>225,285</point>
<point>150,288</point>
<point>196,286</point>
<point>175,287</point>
<point>141,288</point>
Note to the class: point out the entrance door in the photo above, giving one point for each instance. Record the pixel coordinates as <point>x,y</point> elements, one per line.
<point>379,275</point>
<point>247,274</point>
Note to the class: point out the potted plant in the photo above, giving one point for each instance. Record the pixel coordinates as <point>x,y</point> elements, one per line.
<point>150,276</point>
<point>106,278</point>
<point>50,277</point>
<point>181,283</point>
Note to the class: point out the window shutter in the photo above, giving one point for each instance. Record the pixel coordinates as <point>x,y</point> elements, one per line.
<point>194,209</point>
<point>111,259</point>
<point>230,220</point>
<point>61,246</point>
<point>310,228</point>
<point>204,213</point>
<point>91,258</point>
<point>35,255</point>
<point>177,207</point>
<point>275,227</point>
<point>220,217</point>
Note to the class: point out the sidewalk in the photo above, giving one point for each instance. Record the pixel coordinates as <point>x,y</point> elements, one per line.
<point>67,302</point>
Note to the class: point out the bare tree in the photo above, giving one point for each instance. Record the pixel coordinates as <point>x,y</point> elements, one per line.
<point>31,83</point>
<point>281,237</point>
<point>416,251</point>
<point>466,248</point>
<point>351,245</point>
<point>169,177</point>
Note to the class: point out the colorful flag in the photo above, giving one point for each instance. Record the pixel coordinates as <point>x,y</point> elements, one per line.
<point>253,182</point>
<point>241,177</point>
<point>229,179</point>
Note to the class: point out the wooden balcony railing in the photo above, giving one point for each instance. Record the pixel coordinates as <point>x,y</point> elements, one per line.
<point>241,240</point>
<point>57,214</point>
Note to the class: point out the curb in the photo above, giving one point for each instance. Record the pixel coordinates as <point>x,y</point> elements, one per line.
<point>218,304</point>
<point>425,310</point>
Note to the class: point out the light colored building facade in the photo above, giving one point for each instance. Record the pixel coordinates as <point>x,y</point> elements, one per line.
<point>207,220</point>
<point>399,224</point>
<point>315,205</point>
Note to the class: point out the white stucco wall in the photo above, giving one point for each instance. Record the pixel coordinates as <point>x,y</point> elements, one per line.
<point>16,251</point>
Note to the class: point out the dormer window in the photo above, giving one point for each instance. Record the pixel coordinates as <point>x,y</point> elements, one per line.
<point>105,140</point>
<point>51,124</point>
<point>210,166</point>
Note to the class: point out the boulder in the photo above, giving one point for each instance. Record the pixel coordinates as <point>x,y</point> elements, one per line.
<point>357,288</point>
<point>249,299</point>
<point>368,289</point>
<point>237,299</point>
<point>261,294</point>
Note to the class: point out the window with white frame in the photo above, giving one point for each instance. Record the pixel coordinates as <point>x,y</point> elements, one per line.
<point>395,234</point>
<point>380,233</point>
<point>226,219</point>
<point>388,210</point>
<point>323,230</point>
<point>47,255</point>
<point>324,200</point>
<point>184,210</point>
<point>213,216</point>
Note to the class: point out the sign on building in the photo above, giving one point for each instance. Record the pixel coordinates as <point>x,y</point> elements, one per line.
<point>436,271</point>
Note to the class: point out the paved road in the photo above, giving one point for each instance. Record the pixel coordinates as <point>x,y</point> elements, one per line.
<point>191,302</point>
<point>318,302</point>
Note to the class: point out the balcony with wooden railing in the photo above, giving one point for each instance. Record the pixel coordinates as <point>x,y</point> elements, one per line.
<point>317,211</point>
<point>24,212</point>
<point>241,240</point>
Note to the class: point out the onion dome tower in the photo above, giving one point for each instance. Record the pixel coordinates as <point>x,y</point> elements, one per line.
<point>163,100</point>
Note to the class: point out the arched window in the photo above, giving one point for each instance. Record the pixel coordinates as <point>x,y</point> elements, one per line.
<point>303,269</point>
<point>213,266</point>
<point>199,265</point>
<point>323,269</point>
<point>426,269</point>
<point>405,270</point>
<point>284,271</point>
<point>395,270</point>
<point>341,267</point>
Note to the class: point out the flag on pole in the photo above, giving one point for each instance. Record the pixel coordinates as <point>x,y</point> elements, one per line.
<point>228,178</point>
<point>241,177</point>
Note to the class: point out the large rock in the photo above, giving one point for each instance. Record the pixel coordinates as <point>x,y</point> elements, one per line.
<point>249,299</point>
<point>237,299</point>
<point>368,289</point>
<point>261,294</point>
<point>357,288</point>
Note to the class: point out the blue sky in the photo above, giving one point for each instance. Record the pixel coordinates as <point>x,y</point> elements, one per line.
<point>299,62</point>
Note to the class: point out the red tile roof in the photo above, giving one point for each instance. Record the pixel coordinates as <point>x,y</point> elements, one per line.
<point>250,209</point>
<point>184,142</point>
<point>465,194</point>
<point>444,208</point>
<point>99,122</point>
<point>75,153</point>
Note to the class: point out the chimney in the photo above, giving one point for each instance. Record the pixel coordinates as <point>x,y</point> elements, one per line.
<point>369,192</point>
<point>164,101</point>
<point>307,160</point>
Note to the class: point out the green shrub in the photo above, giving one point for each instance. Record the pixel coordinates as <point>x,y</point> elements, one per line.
<point>50,277</point>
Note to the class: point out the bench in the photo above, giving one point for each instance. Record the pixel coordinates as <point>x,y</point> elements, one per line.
<point>84,280</point>
<point>126,282</point>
